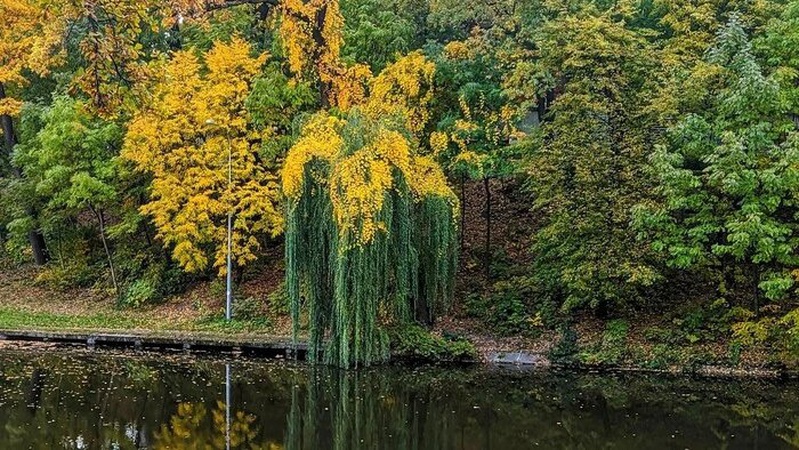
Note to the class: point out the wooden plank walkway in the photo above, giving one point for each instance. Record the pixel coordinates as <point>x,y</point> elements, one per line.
<point>270,347</point>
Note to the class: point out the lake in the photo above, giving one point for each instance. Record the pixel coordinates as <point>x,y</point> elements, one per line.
<point>57,398</point>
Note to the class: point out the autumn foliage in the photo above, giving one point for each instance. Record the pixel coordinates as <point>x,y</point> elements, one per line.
<point>183,139</point>
<point>649,150</point>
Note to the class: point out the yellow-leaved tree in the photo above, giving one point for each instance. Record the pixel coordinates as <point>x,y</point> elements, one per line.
<point>405,88</point>
<point>30,39</point>
<point>34,36</point>
<point>371,226</point>
<point>184,137</point>
<point>312,34</point>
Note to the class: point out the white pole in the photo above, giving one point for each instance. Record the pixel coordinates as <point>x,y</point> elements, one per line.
<point>229,299</point>
<point>229,277</point>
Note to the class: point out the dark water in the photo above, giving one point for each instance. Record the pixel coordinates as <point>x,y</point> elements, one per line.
<point>56,398</point>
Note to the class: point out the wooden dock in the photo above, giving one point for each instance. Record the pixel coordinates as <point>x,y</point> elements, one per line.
<point>251,345</point>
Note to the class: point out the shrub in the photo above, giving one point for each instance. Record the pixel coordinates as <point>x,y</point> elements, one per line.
<point>76,272</point>
<point>511,309</point>
<point>218,287</point>
<point>248,308</point>
<point>415,343</point>
<point>156,283</point>
<point>139,293</point>
<point>613,347</point>
<point>661,357</point>
<point>277,302</point>
<point>566,348</point>
<point>779,334</point>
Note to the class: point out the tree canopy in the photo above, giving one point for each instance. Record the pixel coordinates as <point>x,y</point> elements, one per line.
<point>642,145</point>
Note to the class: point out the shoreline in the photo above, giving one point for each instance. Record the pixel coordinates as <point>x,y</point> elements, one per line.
<point>272,347</point>
<point>282,348</point>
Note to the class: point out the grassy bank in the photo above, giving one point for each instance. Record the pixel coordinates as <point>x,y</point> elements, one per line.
<point>124,321</point>
<point>198,312</point>
<point>30,305</point>
<point>651,343</point>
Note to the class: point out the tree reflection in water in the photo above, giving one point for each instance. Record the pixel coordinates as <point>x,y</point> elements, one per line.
<point>191,429</point>
<point>359,411</point>
<point>106,400</point>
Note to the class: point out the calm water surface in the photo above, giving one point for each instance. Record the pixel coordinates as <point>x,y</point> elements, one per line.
<point>57,398</point>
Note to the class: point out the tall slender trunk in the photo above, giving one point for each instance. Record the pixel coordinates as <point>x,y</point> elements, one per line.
<point>35,237</point>
<point>487,187</point>
<point>101,221</point>
<point>325,87</point>
<point>756,289</point>
<point>463,211</point>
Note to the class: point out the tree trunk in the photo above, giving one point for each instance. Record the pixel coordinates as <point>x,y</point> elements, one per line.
<point>38,247</point>
<point>9,138</point>
<point>463,211</point>
<point>175,43</point>
<point>756,289</point>
<point>541,108</point>
<point>101,221</point>
<point>487,187</point>
<point>35,237</point>
<point>325,87</point>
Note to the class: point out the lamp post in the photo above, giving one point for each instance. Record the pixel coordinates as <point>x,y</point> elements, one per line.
<point>229,279</point>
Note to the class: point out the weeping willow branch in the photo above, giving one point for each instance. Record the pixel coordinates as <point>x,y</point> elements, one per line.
<point>371,236</point>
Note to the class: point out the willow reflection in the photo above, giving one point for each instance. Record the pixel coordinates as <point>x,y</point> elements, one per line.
<point>99,401</point>
<point>345,410</point>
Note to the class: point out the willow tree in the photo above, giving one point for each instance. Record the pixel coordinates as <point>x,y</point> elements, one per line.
<point>370,234</point>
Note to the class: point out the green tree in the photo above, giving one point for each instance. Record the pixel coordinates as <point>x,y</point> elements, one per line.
<point>474,121</point>
<point>728,177</point>
<point>277,106</point>
<point>779,45</point>
<point>378,31</point>
<point>72,165</point>
<point>587,163</point>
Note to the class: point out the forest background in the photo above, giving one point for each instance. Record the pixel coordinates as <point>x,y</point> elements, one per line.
<point>608,181</point>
